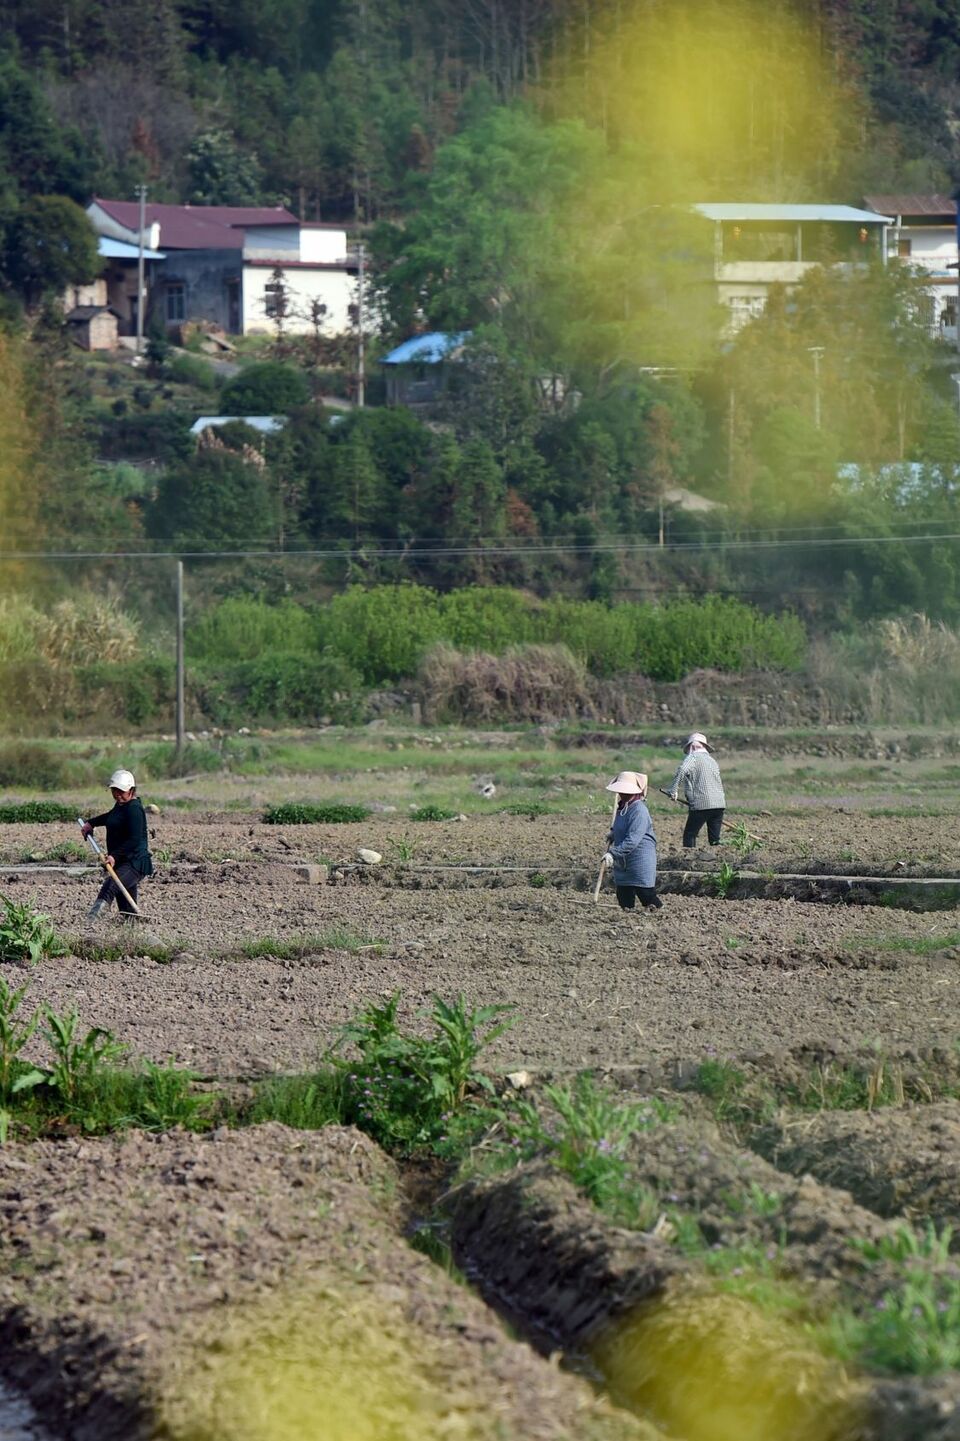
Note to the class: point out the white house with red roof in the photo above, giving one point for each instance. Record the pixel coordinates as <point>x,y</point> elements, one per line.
<point>220,262</point>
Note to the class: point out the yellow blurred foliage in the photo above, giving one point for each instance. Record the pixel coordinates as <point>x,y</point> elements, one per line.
<point>323,1366</point>
<point>719,99</point>
<point>708,1366</point>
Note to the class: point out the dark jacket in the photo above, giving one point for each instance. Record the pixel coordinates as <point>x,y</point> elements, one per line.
<point>127,835</point>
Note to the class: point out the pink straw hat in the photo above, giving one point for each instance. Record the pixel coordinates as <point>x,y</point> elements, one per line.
<point>629,783</point>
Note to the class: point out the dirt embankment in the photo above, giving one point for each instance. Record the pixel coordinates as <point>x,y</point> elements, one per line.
<point>179,1285</point>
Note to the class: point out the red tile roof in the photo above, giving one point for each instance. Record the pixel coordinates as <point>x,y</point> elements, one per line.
<point>197,227</point>
<point>912,204</point>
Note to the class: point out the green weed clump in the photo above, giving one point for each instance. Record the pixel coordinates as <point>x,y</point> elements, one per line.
<point>431,813</point>
<point>86,1086</point>
<point>914,1328</point>
<point>26,934</point>
<point>586,1132</point>
<point>33,812</point>
<point>721,882</point>
<point>532,810</point>
<point>407,1091</point>
<point>296,813</point>
<point>17,1077</point>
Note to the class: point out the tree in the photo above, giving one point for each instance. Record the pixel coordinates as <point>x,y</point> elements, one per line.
<point>478,513</point>
<point>50,244</point>
<point>214,500</point>
<point>266,388</point>
<point>221,173</point>
<point>355,485</point>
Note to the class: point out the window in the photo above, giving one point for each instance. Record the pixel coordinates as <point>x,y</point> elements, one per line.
<point>176,301</point>
<point>275,299</point>
<point>904,247</point>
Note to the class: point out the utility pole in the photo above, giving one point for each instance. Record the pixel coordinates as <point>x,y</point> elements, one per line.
<point>181,719</point>
<point>816,351</point>
<point>361,373</point>
<point>141,192</point>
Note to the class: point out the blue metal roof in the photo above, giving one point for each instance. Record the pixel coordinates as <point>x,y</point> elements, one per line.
<point>121,250</point>
<point>733,210</point>
<point>426,349</point>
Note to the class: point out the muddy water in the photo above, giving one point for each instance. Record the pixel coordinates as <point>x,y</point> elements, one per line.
<point>18,1420</point>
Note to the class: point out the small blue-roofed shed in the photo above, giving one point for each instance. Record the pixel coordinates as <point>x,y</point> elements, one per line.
<point>416,372</point>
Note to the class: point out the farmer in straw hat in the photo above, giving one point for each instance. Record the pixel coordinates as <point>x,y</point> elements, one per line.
<point>127,843</point>
<point>633,845</point>
<point>699,775</point>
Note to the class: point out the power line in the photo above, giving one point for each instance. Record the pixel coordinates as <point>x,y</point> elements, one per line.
<point>372,552</point>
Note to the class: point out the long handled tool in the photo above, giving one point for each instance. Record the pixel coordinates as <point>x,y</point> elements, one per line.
<point>728,825</point>
<point>101,857</point>
<point>596,889</point>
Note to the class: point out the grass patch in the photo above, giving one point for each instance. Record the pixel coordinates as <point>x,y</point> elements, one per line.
<point>89,948</point>
<point>37,812</point>
<point>299,814</point>
<point>306,1103</point>
<point>65,852</point>
<point>295,948</point>
<point>431,813</point>
<point>914,945</point>
<point>531,809</point>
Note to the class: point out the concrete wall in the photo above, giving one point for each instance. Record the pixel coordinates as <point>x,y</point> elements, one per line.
<point>323,243</point>
<point>93,294</point>
<point>930,245</point>
<point>204,275</point>
<point>335,288</point>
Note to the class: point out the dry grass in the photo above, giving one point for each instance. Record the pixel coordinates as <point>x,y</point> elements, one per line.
<point>526,683</point>
<point>81,630</point>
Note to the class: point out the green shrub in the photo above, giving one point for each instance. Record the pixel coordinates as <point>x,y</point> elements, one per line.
<point>300,814</point>
<point>164,436</point>
<point>32,812</point>
<point>140,691</point>
<point>386,631</point>
<point>283,687</point>
<point>192,370</point>
<point>242,626</point>
<point>383,632</point>
<point>162,762</point>
<point>268,387</point>
<point>32,766</point>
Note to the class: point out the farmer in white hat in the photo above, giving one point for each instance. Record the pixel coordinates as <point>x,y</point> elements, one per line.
<point>633,844</point>
<point>699,775</point>
<point>127,843</point>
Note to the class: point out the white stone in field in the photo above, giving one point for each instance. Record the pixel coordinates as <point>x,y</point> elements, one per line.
<point>519,1080</point>
<point>369,858</point>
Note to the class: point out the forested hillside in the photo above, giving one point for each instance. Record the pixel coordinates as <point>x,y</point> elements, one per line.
<point>337,106</point>
<point>523,171</point>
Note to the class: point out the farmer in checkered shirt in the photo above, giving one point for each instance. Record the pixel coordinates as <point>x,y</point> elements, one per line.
<point>699,777</point>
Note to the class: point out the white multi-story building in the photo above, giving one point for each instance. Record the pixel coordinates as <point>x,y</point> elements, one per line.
<point>923,234</point>
<point>757,246</point>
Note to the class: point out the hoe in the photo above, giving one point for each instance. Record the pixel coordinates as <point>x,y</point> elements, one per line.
<point>726,824</point>
<point>101,857</point>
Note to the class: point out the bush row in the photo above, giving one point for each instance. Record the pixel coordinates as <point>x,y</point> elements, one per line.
<point>384,633</point>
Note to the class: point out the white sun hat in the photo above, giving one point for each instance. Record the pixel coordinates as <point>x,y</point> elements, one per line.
<point>697,738</point>
<point>629,783</point>
<point>122,781</point>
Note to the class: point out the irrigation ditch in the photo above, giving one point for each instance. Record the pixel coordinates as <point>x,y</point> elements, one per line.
<point>906,892</point>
